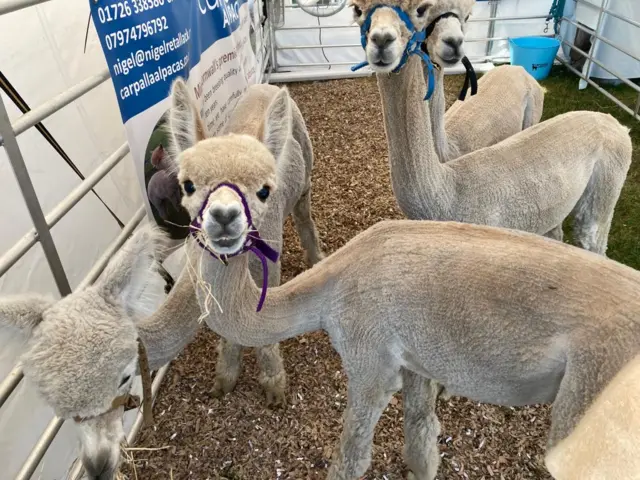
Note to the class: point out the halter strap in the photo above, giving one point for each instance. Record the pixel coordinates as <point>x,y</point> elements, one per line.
<point>470,75</point>
<point>432,25</point>
<point>253,243</point>
<point>412,48</point>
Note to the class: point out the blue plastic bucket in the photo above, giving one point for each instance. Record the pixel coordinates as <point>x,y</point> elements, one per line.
<point>535,54</point>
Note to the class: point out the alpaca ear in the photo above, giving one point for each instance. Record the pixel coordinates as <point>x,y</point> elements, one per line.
<point>185,124</point>
<point>132,278</point>
<point>278,123</point>
<point>23,312</point>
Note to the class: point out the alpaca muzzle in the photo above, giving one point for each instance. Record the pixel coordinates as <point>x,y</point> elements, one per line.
<point>253,242</point>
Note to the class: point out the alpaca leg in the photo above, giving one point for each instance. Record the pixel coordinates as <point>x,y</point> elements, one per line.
<point>555,233</point>
<point>534,107</point>
<point>273,377</point>
<point>306,229</point>
<point>594,211</point>
<point>227,368</point>
<point>365,404</point>
<point>421,426</point>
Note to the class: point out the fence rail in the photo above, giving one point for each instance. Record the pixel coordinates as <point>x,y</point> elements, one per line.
<point>42,225</point>
<point>596,36</point>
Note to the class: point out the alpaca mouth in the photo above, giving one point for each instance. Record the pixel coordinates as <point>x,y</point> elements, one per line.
<point>226,245</point>
<point>450,59</point>
<point>226,241</point>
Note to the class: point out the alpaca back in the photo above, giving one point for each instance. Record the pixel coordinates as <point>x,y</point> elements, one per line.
<point>508,100</point>
<point>249,114</point>
<point>294,163</point>
<point>584,144</point>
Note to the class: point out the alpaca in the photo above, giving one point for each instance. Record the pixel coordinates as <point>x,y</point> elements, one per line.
<point>575,163</point>
<point>268,113</point>
<point>508,100</point>
<point>163,191</point>
<point>496,315</point>
<point>604,443</point>
<point>163,188</point>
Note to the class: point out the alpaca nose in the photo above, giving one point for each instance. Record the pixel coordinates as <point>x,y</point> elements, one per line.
<point>453,42</point>
<point>224,215</point>
<point>100,467</point>
<point>382,40</point>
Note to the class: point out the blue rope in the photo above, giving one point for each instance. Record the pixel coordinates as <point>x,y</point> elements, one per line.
<point>413,46</point>
<point>556,11</point>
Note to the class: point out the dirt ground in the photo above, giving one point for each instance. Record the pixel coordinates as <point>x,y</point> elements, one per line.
<point>238,437</point>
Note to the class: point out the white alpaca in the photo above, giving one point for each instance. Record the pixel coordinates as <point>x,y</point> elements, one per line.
<point>496,315</point>
<point>267,113</point>
<point>575,163</point>
<point>508,100</point>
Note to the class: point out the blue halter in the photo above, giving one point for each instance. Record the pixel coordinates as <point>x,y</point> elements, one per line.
<point>413,45</point>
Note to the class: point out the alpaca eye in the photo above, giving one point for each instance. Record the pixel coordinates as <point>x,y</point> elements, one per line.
<point>189,187</point>
<point>124,381</point>
<point>263,193</point>
<point>421,10</point>
<point>357,11</point>
<point>467,19</point>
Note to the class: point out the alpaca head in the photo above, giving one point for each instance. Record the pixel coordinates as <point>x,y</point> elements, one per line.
<point>388,34</point>
<point>447,27</point>
<point>228,181</point>
<point>81,352</point>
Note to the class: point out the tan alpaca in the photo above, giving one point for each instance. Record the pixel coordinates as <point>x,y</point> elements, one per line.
<point>508,99</point>
<point>606,442</point>
<point>268,113</point>
<point>575,163</point>
<point>496,315</point>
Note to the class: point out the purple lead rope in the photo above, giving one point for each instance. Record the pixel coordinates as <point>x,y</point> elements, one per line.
<point>253,243</point>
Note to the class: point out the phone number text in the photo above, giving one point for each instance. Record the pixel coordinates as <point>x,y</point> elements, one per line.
<point>137,32</point>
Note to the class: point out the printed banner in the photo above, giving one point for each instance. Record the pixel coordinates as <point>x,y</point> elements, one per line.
<point>147,44</point>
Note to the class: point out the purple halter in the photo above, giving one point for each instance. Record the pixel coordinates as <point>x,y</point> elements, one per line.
<point>253,242</point>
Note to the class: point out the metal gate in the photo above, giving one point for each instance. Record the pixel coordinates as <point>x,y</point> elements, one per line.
<point>595,35</point>
<point>44,222</point>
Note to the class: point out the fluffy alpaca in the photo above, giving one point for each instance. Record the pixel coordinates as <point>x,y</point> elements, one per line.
<point>267,113</point>
<point>508,101</point>
<point>496,315</point>
<point>574,163</point>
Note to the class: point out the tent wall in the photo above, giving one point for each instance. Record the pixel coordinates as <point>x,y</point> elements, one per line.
<point>333,43</point>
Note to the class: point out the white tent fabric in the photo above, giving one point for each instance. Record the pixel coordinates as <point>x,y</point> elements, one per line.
<point>42,55</point>
<point>295,17</point>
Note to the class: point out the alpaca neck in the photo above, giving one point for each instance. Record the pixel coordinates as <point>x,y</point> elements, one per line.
<point>437,107</point>
<point>168,331</point>
<point>292,309</point>
<point>422,185</point>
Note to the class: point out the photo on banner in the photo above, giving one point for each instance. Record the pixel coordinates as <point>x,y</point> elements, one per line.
<point>147,45</point>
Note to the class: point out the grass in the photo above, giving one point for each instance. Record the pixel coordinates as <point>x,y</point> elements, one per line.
<point>563,96</point>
